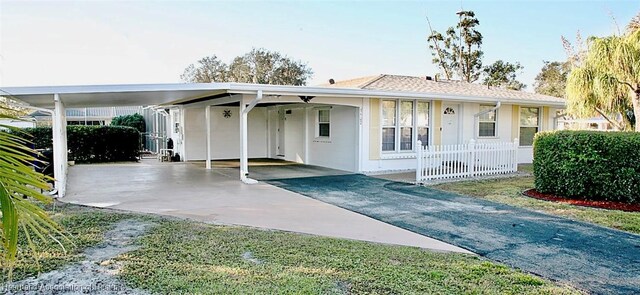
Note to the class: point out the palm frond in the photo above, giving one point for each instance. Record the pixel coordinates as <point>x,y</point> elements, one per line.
<point>20,187</point>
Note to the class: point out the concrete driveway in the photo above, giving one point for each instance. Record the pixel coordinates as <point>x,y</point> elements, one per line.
<point>217,196</point>
<point>589,257</point>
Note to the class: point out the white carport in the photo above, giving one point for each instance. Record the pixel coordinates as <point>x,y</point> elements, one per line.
<point>56,98</point>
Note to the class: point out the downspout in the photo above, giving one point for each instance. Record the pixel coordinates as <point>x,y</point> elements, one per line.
<point>476,118</point>
<point>555,120</point>
<point>244,149</point>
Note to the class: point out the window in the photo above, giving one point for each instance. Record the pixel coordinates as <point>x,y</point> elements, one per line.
<point>88,123</point>
<point>324,123</point>
<point>406,125</point>
<point>487,122</point>
<point>422,122</point>
<point>529,124</point>
<point>404,121</point>
<point>388,125</point>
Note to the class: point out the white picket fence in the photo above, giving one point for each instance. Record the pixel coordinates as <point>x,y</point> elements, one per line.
<point>466,160</point>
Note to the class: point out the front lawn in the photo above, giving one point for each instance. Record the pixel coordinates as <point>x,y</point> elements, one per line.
<point>509,191</point>
<point>186,257</point>
<point>183,257</point>
<point>84,226</point>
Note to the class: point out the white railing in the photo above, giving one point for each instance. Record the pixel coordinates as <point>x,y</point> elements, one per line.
<point>466,160</point>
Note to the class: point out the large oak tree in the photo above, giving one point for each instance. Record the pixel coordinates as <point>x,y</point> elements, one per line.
<point>258,66</point>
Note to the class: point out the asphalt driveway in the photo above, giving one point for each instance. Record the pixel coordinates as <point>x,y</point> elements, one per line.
<point>589,257</point>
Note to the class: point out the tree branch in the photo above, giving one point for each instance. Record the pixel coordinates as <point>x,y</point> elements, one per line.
<point>614,123</point>
<point>435,43</point>
<point>624,83</point>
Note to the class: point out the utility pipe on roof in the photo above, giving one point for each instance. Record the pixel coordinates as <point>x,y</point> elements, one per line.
<point>476,118</point>
<point>244,149</point>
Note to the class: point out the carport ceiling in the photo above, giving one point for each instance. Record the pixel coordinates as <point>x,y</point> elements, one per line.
<point>113,95</point>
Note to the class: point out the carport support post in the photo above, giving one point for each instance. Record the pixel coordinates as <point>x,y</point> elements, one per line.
<point>207,119</point>
<point>59,124</point>
<point>244,148</point>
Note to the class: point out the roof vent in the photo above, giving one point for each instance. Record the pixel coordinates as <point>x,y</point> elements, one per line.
<point>429,78</point>
<point>331,81</point>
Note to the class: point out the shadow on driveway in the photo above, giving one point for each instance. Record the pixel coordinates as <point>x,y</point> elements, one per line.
<point>589,257</point>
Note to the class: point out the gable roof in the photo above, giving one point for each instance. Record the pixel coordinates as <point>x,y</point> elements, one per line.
<point>421,84</point>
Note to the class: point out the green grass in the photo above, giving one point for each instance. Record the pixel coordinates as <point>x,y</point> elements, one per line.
<point>84,227</point>
<point>184,257</point>
<point>509,191</point>
<point>181,257</point>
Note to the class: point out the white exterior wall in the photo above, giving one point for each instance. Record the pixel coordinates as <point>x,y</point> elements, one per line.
<point>225,133</point>
<point>294,141</point>
<point>340,151</point>
<point>470,124</point>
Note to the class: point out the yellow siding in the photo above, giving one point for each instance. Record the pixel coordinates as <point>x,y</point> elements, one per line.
<point>375,143</point>
<point>545,118</point>
<point>515,122</point>
<point>437,122</point>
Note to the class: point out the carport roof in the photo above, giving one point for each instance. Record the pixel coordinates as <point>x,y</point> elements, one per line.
<point>170,94</point>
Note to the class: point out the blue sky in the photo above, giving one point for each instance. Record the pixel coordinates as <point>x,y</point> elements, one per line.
<point>101,42</point>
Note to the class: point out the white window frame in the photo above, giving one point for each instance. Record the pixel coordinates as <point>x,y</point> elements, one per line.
<point>394,126</point>
<point>399,126</point>
<point>317,125</point>
<point>520,122</point>
<point>414,126</point>
<point>495,122</point>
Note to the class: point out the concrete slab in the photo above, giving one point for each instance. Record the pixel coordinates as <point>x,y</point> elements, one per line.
<point>217,196</point>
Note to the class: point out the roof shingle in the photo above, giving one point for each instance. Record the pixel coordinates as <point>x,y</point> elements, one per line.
<point>421,84</point>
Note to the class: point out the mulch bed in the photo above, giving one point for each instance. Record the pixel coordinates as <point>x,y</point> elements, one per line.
<point>532,193</point>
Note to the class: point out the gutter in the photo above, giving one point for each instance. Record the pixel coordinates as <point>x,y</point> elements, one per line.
<point>476,118</point>
<point>242,88</point>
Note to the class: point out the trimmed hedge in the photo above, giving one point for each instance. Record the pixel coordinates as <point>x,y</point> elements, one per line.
<point>591,165</point>
<point>93,144</point>
<point>136,121</point>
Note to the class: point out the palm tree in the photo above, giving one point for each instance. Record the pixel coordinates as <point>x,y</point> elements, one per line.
<point>607,79</point>
<point>634,24</point>
<point>20,191</point>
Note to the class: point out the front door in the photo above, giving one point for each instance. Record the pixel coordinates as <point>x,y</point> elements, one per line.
<point>281,118</point>
<point>450,123</point>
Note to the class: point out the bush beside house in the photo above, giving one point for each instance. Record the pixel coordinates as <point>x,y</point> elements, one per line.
<point>93,144</point>
<point>592,165</point>
<point>136,121</point>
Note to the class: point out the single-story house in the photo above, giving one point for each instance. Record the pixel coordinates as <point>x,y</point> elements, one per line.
<point>367,125</point>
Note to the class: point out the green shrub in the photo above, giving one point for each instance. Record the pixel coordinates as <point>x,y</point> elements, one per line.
<point>136,121</point>
<point>592,165</point>
<point>93,144</point>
